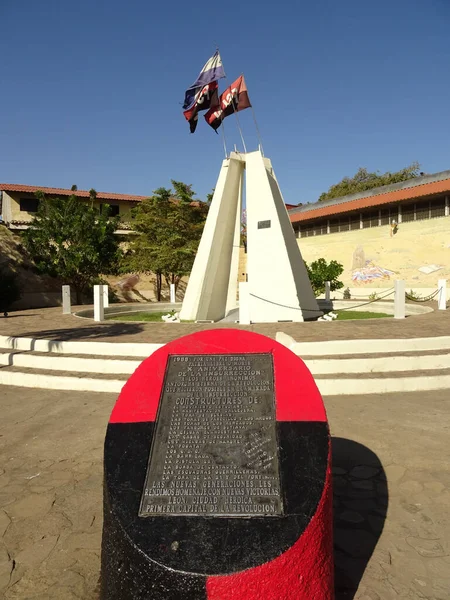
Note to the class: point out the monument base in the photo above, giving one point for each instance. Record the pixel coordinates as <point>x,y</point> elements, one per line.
<point>217,476</point>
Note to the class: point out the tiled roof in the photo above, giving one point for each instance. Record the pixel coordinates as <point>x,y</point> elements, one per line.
<point>15,187</point>
<point>389,196</point>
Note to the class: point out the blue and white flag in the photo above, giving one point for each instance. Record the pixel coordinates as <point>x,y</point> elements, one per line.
<point>212,71</point>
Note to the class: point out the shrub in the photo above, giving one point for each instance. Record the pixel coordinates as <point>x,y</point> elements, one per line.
<point>347,295</point>
<point>9,290</point>
<point>320,271</point>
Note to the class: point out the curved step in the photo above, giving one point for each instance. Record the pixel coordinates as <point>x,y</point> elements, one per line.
<point>323,366</point>
<point>328,387</point>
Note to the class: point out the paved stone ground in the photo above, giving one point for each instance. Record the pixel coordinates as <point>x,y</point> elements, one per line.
<point>391,481</point>
<point>50,323</point>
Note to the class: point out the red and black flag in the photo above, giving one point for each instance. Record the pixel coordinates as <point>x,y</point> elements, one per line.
<point>206,97</point>
<point>234,99</point>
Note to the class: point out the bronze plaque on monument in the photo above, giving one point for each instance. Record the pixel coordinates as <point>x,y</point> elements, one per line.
<point>215,449</point>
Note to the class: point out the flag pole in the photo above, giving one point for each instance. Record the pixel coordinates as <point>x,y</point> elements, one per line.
<point>237,118</point>
<point>257,131</point>
<point>223,137</point>
<point>240,130</point>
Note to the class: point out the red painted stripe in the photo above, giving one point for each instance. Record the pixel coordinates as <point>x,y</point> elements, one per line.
<point>297,396</point>
<point>304,572</point>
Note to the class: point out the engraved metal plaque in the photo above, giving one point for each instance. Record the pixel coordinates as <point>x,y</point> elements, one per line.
<point>214,450</point>
<point>263,224</point>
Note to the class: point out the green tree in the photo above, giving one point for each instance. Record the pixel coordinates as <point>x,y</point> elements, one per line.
<point>320,271</point>
<point>170,225</point>
<point>70,240</point>
<point>364,180</point>
<point>9,290</point>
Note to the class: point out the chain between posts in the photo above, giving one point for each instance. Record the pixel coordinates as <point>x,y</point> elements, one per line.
<point>430,297</point>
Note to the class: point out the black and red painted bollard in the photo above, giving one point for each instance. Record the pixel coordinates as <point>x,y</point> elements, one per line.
<point>217,482</point>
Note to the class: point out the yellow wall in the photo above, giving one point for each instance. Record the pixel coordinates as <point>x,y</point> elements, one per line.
<point>17,215</point>
<point>416,244</point>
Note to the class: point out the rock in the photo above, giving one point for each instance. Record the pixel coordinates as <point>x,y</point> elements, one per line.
<point>35,554</point>
<point>356,542</point>
<point>434,486</point>
<point>361,504</point>
<point>338,471</point>
<point>4,522</point>
<point>6,568</point>
<point>394,473</point>
<point>353,493</point>
<point>34,505</point>
<point>362,485</point>
<point>364,472</point>
<point>410,487</point>
<point>376,523</point>
<point>426,548</point>
<point>351,516</point>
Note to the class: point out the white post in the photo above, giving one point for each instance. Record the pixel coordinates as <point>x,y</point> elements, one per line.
<point>244,303</point>
<point>399,301</point>
<point>98,303</point>
<point>172,293</point>
<point>66,300</point>
<point>327,291</point>
<point>105,296</point>
<point>442,296</point>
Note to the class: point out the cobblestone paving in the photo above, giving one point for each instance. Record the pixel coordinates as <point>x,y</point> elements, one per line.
<point>50,323</point>
<point>391,483</point>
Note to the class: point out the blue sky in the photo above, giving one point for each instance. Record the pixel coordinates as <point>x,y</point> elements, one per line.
<point>92,90</point>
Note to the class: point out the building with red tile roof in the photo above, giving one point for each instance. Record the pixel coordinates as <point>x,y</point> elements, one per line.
<point>419,198</point>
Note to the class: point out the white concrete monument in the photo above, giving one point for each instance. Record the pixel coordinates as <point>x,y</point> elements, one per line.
<point>278,287</point>
<point>98,303</point>
<point>442,295</point>
<point>66,300</point>
<point>399,299</point>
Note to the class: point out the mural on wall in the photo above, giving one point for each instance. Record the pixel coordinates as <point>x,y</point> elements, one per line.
<point>366,271</point>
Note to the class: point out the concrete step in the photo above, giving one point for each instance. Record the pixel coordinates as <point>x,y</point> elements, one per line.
<point>44,379</point>
<point>72,363</point>
<point>317,366</point>
<point>328,386</point>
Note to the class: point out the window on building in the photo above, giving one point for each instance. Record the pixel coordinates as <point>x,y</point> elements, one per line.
<point>386,215</point>
<point>344,223</point>
<point>408,213</point>
<point>354,221</point>
<point>437,208</point>
<point>114,209</point>
<point>320,228</point>
<point>422,210</point>
<point>29,205</point>
<point>370,219</point>
<point>334,225</point>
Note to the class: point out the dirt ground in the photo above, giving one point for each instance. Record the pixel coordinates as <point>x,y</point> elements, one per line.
<point>391,494</point>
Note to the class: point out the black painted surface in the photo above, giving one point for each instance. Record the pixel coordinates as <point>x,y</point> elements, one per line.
<point>215,450</point>
<point>137,550</point>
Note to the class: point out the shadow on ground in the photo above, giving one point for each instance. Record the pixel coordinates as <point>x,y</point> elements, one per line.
<point>91,332</point>
<point>360,505</point>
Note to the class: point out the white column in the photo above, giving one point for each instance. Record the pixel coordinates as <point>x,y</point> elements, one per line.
<point>442,295</point>
<point>172,293</point>
<point>98,303</point>
<point>66,300</point>
<point>399,301</point>
<point>399,218</point>
<point>328,225</point>
<point>361,225</point>
<point>105,296</point>
<point>327,291</point>
<point>244,303</point>
<point>447,206</point>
